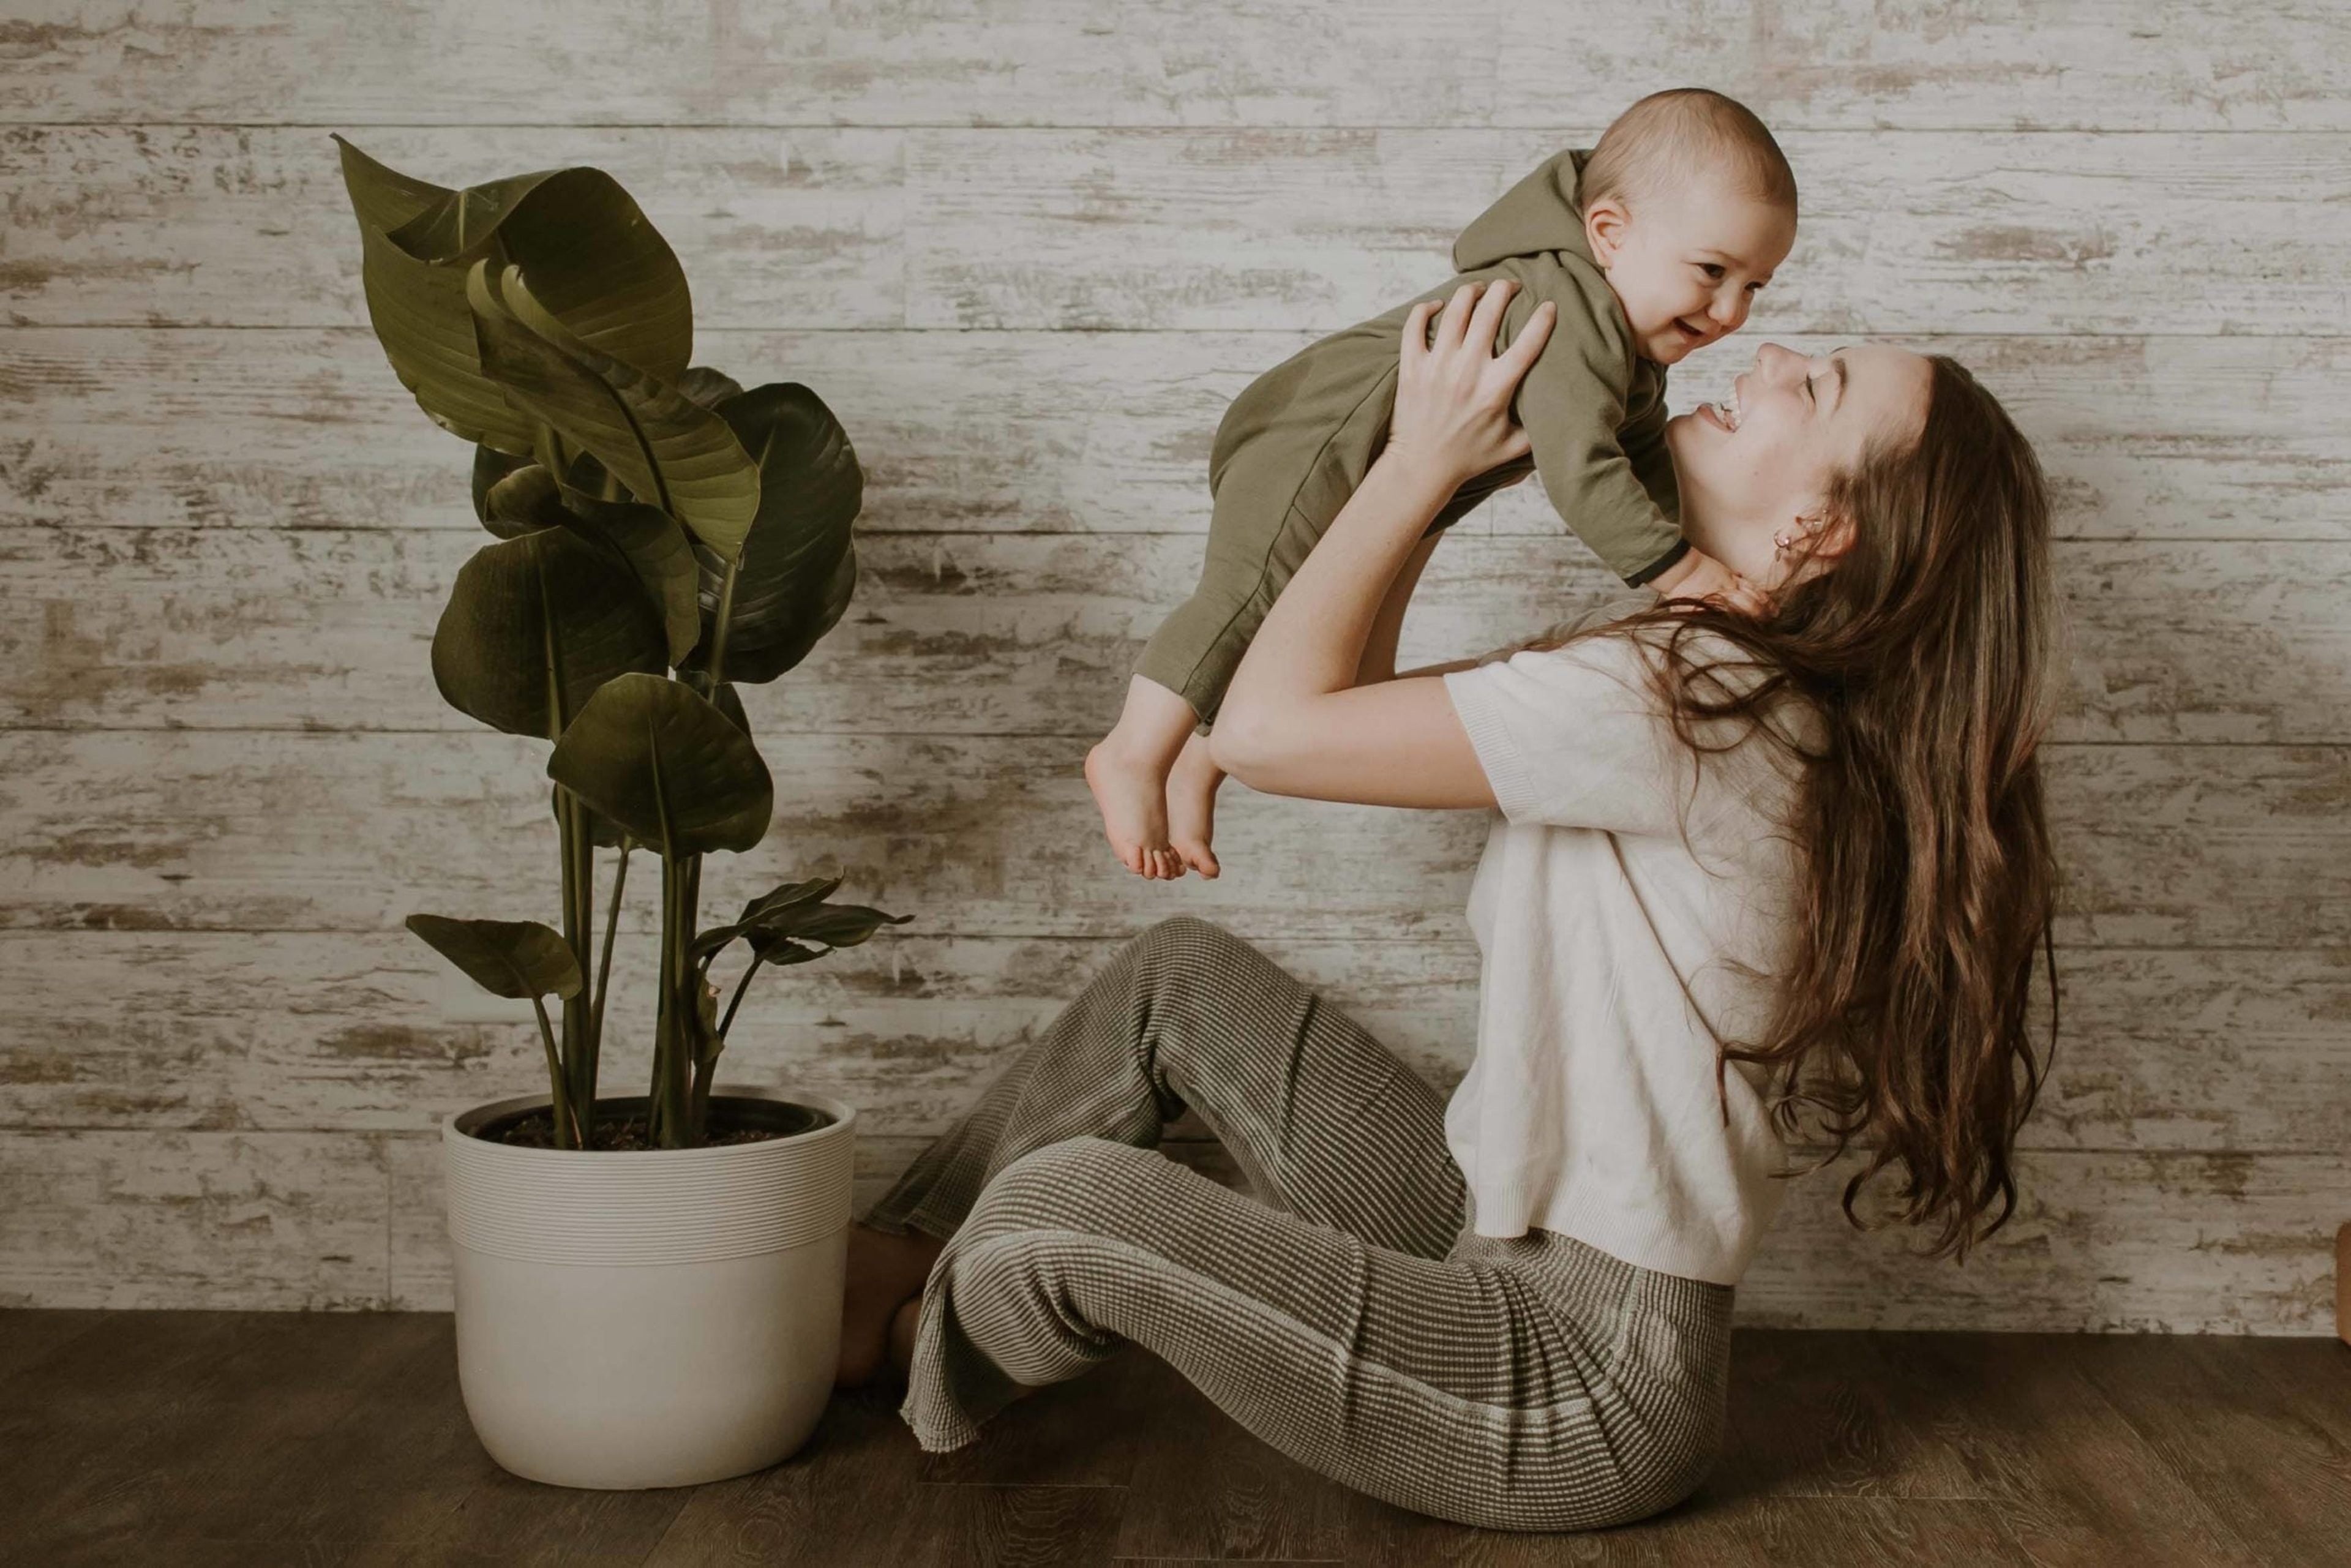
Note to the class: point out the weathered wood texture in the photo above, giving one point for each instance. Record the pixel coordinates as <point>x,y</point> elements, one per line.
<point>2099,65</point>
<point>2100,1241</point>
<point>2211,1050</point>
<point>1028,251</point>
<point>269,829</point>
<point>2146,438</point>
<point>2056,232</point>
<point>117,628</point>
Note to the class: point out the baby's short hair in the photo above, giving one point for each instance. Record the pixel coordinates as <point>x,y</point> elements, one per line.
<point>1681,135</point>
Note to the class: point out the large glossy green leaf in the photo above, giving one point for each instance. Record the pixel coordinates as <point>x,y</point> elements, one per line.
<point>643,539</point>
<point>519,959</point>
<point>798,566</point>
<point>763,661</point>
<point>668,450</point>
<point>608,834</point>
<point>593,258</point>
<point>535,626</point>
<point>419,311</point>
<point>664,763</point>
<point>657,550</point>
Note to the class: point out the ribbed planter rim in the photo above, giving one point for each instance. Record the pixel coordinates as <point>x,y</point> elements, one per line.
<point>632,1208</point>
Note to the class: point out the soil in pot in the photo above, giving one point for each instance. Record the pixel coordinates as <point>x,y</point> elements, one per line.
<point>621,1125</point>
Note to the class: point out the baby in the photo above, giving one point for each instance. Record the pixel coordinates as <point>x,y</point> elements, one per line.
<point>1650,245</point>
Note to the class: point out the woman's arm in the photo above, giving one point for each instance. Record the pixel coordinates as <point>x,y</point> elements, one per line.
<point>1378,662</point>
<point>1292,721</point>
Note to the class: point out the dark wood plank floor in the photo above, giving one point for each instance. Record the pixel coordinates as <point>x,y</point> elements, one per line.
<point>336,1441</point>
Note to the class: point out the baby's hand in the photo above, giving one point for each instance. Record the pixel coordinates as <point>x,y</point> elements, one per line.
<point>1699,576</point>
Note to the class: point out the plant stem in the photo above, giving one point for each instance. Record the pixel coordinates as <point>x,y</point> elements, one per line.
<point>612,922</point>
<point>655,1123</point>
<point>577,1061</point>
<point>672,1093</point>
<point>699,1097</point>
<point>741,986</point>
<point>689,1002</point>
<point>583,1100</point>
<point>725,619</point>
<point>562,1110</point>
<point>577,846</point>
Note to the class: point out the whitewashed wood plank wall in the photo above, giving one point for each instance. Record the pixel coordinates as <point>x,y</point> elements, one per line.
<point>1027,248</point>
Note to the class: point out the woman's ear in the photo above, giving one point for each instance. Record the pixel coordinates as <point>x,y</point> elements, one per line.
<point>1806,545</point>
<point>1605,223</point>
<point>1817,538</point>
<point>1832,534</point>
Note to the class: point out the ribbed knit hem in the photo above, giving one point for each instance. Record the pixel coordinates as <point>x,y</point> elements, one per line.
<point>1650,573</point>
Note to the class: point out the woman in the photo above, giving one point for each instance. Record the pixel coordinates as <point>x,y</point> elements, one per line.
<point>1808,838</point>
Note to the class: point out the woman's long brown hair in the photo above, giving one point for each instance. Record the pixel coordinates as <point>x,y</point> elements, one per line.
<point>1926,650</point>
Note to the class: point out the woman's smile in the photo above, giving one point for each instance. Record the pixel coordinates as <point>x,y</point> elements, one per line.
<point>1723,415</point>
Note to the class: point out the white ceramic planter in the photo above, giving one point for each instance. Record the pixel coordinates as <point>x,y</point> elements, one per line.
<point>650,1318</point>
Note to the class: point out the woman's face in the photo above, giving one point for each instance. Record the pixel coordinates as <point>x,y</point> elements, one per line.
<point>1799,422</point>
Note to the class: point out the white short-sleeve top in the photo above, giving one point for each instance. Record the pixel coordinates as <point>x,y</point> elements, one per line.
<point>1611,953</point>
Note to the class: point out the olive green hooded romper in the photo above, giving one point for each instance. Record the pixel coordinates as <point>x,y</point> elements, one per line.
<point>1299,439</point>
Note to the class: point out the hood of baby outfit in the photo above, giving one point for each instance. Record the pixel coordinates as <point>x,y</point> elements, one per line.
<point>1536,214</point>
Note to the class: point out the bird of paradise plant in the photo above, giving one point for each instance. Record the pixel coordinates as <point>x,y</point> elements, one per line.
<point>651,515</point>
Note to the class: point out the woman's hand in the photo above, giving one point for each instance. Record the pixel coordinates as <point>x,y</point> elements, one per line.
<point>1452,417</point>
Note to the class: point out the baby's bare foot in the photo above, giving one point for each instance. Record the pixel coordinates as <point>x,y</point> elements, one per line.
<point>1192,787</point>
<point>1128,774</point>
<point>1132,798</point>
<point>883,1270</point>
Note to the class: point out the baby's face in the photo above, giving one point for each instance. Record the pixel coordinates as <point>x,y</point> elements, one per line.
<point>1687,267</point>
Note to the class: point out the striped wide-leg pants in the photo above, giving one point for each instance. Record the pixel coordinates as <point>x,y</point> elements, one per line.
<point>1352,1320</point>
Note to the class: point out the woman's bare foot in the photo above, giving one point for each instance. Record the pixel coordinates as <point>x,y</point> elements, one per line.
<point>884,1271</point>
<point>1128,772</point>
<point>901,1333</point>
<point>903,1326</point>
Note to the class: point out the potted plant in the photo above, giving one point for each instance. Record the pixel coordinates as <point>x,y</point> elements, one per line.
<point>649,1287</point>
